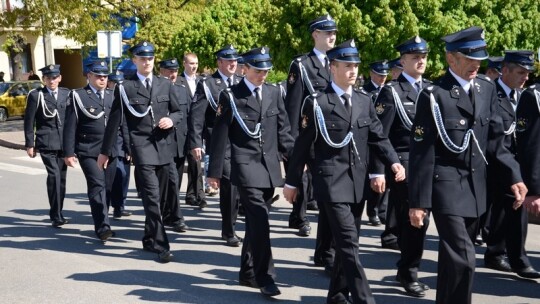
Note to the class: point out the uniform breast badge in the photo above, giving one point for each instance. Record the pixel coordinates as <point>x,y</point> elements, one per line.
<point>521,124</point>
<point>304,121</point>
<point>292,78</point>
<point>418,133</point>
<point>218,110</point>
<point>379,108</point>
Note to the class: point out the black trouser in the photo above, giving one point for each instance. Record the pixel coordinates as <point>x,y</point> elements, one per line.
<point>170,202</point>
<point>99,184</point>
<point>228,202</point>
<point>456,261</point>
<point>298,216</point>
<point>153,182</point>
<point>324,251</point>
<point>256,261</point>
<point>121,184</point>
<point>507,230</point>
<point>56,182</point>
<point>348,276</point>
<point>377,204</point>
<point>195,172</point>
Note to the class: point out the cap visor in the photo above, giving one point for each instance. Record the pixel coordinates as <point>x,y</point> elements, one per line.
<point>477,55</point>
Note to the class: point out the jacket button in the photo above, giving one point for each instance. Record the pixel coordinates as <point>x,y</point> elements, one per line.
<point>264,153</point>
<point>474,154</point>
<point>320,171</point>
<point>436,176</point>
<point>333,125</point>
<point>472,170</point>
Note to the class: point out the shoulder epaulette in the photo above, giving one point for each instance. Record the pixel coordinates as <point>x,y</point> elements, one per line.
<point>532,86</point>
<point>229,90</point>
<point>426,80</point>
<point>429,88</point>
<point>484,78</point>
<point>64,89</point>
<point>390,83</point>
<point>362,91</point>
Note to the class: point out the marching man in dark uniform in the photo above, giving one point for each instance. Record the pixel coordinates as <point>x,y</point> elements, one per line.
<point>395,67</point>
<point>309,74</point>
<point>340,123</point>
<point>395,107</point>
<point>508,226</point>
<point>528,145</point>
<point>86,117</point>
<point>201,125</point>
<point>252,116</point>
<point>455,129</point>
<point>378,71</point>
<point>46,110</point>
<point>170,203</point>
<point>150,108</point>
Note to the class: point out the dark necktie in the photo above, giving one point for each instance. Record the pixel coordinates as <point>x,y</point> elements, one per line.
<point>258,96</point>
<point>418,86</point>
<point>53,93</point>
<point>347,102</point>
<point>148,86</point>
<point>229,82</point>
<point>326,64</point>
<point>512,97</point>
<point>471,93</point>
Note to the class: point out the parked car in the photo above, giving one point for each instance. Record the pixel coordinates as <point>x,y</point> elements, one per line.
<point>13,97</point>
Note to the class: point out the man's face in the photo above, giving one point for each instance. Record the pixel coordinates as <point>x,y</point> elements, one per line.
<point>97,81</point>
<point>414,64</point>
<point>344,73</point>
<point>515,77</point>
<point>144,65</point>
<point>395,72</point>
<point>377,78</point>
<point>191,64</point>
<point>492,73</point>
<point>324,40</point>
<point>172,74</point>
<point>52,82</point>
<point>255,76</point>
<point>464,67</point>
<point>227,67</point>
<point>240,70</point>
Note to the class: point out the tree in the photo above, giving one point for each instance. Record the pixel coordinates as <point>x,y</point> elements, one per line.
<point>14,46</point>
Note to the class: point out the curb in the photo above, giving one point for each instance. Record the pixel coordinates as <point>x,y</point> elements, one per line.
<point>11,145</point>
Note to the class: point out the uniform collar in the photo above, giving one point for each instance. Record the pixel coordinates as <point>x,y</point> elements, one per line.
<point>506,88</point>
<point>320,55</point>
<point>339,91</point>
<point>466,85</point>
<point>410,79</point>
<point>225,77</point>
<point>143,78</point>
<point>251,86</point>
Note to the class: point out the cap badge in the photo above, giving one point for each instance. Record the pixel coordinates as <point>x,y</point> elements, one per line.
<point>117,72</point>
<point>328,17</point>
<point>531,57</point>
<point>102,63</point>
<point>353,44</point>
<point>483,35</point>
<point>51,67</point>
<point>173,61</point>
<point>263,51</point>
<point>418,133</point>
<point>145,44</point>
<point>417,39</point>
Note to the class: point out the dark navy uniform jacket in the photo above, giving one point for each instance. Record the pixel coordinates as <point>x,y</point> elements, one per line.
<point>339,174</point>
<point>49,131</point>
<point>297,90</point>
<point>202,115</point>
<point>84,135</point>
<point>254,163</point>
<point>455,183</point>
<point>149,144</point>
<point>528,138</point>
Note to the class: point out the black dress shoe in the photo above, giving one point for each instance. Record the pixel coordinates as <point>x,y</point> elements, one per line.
<point>304,230</point>
<point>274,199</point>
<point>233,241</point>
<point>413,289</point>
<point>374,220</point>
<point>312,206</point>
<point>165,256</point>
<point>192,201</point>
<point>270,290</point>
<point>202,203</point>
<point>527,272</point>
<point>58,223</point>
<point>499,264</point>
<point>105,235</point>
<point>392,245</point>
<point>249,283</point>
<point>180,227</point>
<point>423,285</point>
<point>478,241</point>
<point>119,213</point>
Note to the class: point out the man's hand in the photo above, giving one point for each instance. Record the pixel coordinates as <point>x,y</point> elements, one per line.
<point>532,204</point>
<point>31,152</point>
<point>416,216</point>
<point>378,184</point>
<point>102,161</point>
<point>70,161</point>
<point>213,182</point>
<point>290,194</point>
<point>197,154</point>
<point>399,172</point>
<point>520,191</point>
<point>165,123</point>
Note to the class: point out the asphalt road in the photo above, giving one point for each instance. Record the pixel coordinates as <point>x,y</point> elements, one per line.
<point>41,264</point>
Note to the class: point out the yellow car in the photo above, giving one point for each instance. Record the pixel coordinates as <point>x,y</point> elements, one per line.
<point>13,97</point>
